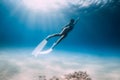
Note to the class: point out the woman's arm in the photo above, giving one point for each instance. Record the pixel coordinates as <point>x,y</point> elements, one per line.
<point>77,20</point>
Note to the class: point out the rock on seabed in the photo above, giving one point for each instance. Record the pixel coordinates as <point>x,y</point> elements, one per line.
<point>71,76</point>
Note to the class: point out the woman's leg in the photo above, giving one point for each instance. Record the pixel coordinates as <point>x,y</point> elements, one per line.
<point>58,41</point>
<point>53,35</point>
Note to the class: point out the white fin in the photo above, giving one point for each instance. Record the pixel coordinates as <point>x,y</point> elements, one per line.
<point>38,49</point>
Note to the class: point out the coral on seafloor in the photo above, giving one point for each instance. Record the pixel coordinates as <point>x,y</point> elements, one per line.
<point>71,76</point>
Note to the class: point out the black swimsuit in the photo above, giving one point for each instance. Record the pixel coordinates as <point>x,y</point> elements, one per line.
<point>67,29</point>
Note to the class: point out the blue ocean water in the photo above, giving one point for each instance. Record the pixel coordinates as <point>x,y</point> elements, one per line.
<point>93,44</point>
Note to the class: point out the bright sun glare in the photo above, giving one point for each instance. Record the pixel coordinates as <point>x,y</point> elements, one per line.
<point>43,5</point>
